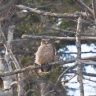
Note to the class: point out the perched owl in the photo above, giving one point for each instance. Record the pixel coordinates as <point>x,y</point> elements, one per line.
<point>45,54</point>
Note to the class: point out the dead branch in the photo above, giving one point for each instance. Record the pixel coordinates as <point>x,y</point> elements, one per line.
<point>13,83</point>
<point>60,53</point>
<point>84,73</point>
<point>89,58</point>
<point>57,30</point>
<point>48,92</point>
<point>89,79</point>
<point>30,90</point>
<point>89,62</point>
<point>78,60</point>
<point>85,7</point>
<point>58,38</point>
<point>37,67</point>
<point>67,80</point>
<point>57,15</point>
<point>62,74</point>
<point>32,68</point>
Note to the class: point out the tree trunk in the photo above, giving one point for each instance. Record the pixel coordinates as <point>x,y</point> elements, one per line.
<point>78,60</point>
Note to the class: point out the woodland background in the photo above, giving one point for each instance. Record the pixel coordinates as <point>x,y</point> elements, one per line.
<point>66,22</point>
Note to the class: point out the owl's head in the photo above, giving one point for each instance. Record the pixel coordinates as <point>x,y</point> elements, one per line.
<point>45,41</point>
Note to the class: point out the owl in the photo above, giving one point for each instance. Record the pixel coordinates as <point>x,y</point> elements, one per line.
<point>45,54</point>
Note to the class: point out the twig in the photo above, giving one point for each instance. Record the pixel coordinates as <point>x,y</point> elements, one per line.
<point>89,79</point>
<point>13,83</point>
<point>67,80</point>
<point>74,52</point>
<point>84,73</point>
<point>57,30</point>
<point>61,75</point>
<point>48,92</point>
<point>30,90</point>
<point>66,71</point>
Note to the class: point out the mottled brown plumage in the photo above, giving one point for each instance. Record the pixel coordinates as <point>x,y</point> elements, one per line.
<point>45,54</point>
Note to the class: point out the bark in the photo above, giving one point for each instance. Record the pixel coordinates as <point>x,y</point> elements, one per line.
<point>10,54</point>
<point>59,38</point>
<point>7,81</point>
<point>7,67</point>
<point>94,9</point>
<point>2,69</point>
<point>20,75</point>
<point>53,64</point>
<point>57,15</point>
<point>85,7</point>
<point>34,67</point>
<point>78,60</point>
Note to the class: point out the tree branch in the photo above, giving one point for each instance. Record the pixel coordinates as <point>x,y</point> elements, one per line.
<point>84,73</point>
<point>89,79</point>
<point>57,15</point>
<point>78,60</point>
<point>67,80</point>
<point>57,30</point>
<point>37,67</point>
<point>32,68</point>
<point>59,38</point>
<point>62,74</point>
<point>85,7</point>
<point>60,53</point>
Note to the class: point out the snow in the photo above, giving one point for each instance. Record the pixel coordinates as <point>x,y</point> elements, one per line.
<point>89,86</point>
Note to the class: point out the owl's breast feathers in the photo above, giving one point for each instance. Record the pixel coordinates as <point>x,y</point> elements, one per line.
<point>45,54</point>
